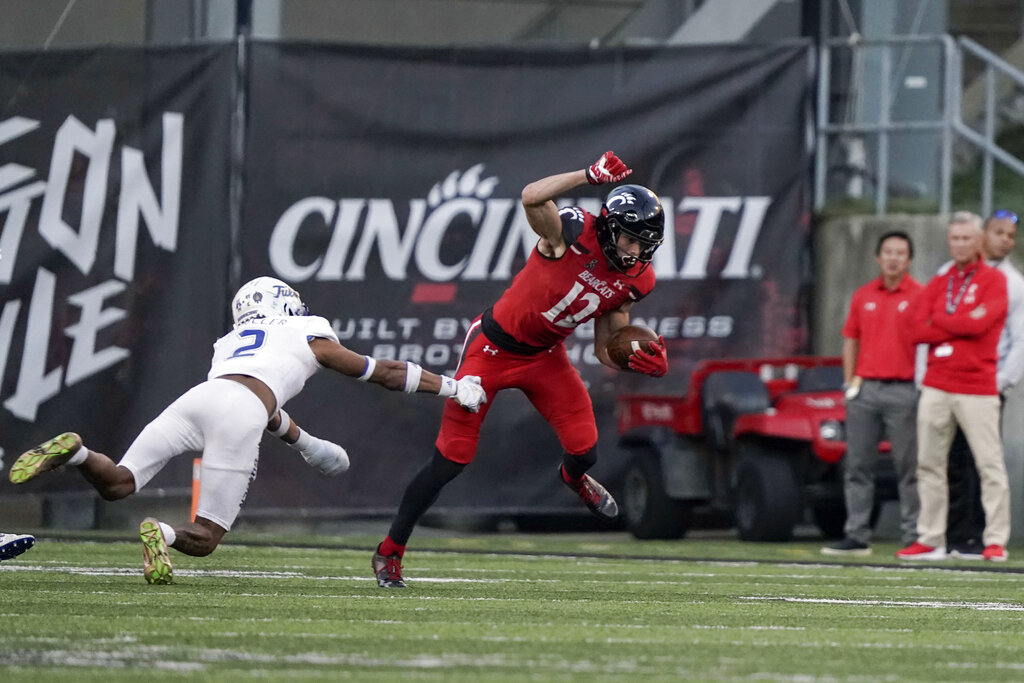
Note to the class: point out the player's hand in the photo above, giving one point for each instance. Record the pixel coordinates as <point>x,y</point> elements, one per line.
<point>608,169</point>
<point>654,364</point>
<point>327,457</point>
<point>469,394</point>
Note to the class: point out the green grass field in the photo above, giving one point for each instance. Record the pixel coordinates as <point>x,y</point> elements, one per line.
<point>508,607</point>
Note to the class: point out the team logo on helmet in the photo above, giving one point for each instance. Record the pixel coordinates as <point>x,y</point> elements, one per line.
<point>636,212</point>
<point>266,297</point>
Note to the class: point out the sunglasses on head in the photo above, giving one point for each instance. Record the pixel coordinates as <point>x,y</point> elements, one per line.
<point>1003,213</point>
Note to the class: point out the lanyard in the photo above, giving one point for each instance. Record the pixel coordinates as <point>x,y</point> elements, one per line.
<point>952,303</point>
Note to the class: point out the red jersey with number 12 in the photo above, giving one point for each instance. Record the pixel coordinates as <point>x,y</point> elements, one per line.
<point>549,297</point>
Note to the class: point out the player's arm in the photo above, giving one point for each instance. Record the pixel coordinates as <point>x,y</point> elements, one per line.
<point>539,199</point>
<point>654,363</point>
<point>605,327</point>
<point>397,375</point>
<point>326,456</point>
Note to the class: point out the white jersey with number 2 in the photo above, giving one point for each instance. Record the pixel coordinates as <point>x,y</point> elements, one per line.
<point>273,350</point>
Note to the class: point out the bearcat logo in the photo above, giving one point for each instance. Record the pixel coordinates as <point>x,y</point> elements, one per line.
<point>491,231</point>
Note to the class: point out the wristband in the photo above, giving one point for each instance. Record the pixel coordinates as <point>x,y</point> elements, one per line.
<point>449,387</point>
<point>412,377</point>
<point>286,422</point>
<point>371,363</point>
<point>304,442</point>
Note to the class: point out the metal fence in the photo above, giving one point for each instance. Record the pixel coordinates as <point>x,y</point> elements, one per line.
<point>844,138</point>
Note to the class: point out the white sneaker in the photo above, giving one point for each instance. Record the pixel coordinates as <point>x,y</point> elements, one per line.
<point>12,545</point>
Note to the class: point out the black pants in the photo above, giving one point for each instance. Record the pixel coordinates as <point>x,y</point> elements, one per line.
<point>966,520</point>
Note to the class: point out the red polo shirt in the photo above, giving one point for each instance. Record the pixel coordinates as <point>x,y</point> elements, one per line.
<point>880,319</point>
<point>961,321</point>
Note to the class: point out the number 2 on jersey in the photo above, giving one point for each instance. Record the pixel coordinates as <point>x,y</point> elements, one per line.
<point>573,319</point>
<point>249,349</point>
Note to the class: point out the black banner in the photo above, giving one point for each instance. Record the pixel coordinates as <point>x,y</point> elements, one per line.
<point>384,184</point>
<point>115,243</point>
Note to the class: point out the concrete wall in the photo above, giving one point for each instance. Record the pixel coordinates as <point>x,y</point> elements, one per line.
<point>845,259</point>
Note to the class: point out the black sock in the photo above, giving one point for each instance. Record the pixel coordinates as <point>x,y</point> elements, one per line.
<point>575,466</point>
<point>421,493</point>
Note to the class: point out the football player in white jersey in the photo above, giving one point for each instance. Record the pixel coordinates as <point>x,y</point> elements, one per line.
<point>273,348</point>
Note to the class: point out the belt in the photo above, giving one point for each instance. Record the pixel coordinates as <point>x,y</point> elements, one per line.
<point>887,380</point>
<point>503,340</point>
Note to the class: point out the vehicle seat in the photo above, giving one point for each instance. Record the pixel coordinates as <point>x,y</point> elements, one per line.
<point>726,395</point>
<point>825,378</point>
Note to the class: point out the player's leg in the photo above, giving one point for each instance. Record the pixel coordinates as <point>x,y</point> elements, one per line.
<point>420,494</point>
<point>225,420</point>
<point>232,420</point>
<point>454,448</point>
<point>12,545</point>
<point>112,482</point>
<point>557,392</point>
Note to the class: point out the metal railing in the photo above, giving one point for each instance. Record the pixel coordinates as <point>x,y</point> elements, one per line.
<point>948,123</point>
<point>986,140</point>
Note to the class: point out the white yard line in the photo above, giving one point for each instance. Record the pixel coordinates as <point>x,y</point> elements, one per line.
<point>930,604</point>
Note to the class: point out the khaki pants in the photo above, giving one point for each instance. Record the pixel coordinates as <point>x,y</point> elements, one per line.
<point>938,414</point>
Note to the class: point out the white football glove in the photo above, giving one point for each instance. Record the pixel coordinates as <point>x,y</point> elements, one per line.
<point>469,394</point>
<point>325,456</point>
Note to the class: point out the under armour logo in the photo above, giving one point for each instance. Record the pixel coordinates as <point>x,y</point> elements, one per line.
<point>490,349</point>
<point>618,285</point>
<point>592,264</point>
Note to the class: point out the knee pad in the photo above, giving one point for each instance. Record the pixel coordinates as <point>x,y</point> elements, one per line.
<point>578,438</point>
<point>455,449</point>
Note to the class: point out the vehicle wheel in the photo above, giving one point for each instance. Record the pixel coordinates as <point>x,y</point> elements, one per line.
<point>830,519</point>
<point>649,512</point>
<point>767,498</point>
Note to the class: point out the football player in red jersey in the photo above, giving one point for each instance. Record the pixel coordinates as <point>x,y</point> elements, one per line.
<point>584,267</point>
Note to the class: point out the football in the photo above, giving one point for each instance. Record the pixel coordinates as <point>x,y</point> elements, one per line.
<point>626,340</point>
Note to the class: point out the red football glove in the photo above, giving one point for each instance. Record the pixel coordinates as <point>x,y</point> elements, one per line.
<point>608,169</point>
<point>654,364</point>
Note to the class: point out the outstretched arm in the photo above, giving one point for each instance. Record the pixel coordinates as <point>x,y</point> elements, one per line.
<point>539,198</point>
<point>396,375</point>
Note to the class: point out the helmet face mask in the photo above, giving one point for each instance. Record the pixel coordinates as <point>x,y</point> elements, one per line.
<point>633,211</point>
<point>266,297</point>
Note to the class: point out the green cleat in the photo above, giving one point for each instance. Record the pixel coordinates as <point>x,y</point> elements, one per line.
<point>45,457</point>
<point>156,562</point>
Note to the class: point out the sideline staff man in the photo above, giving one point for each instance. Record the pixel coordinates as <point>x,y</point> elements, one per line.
<point>960,315</point>
<point>966,516</point>
<point>878,371</point>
